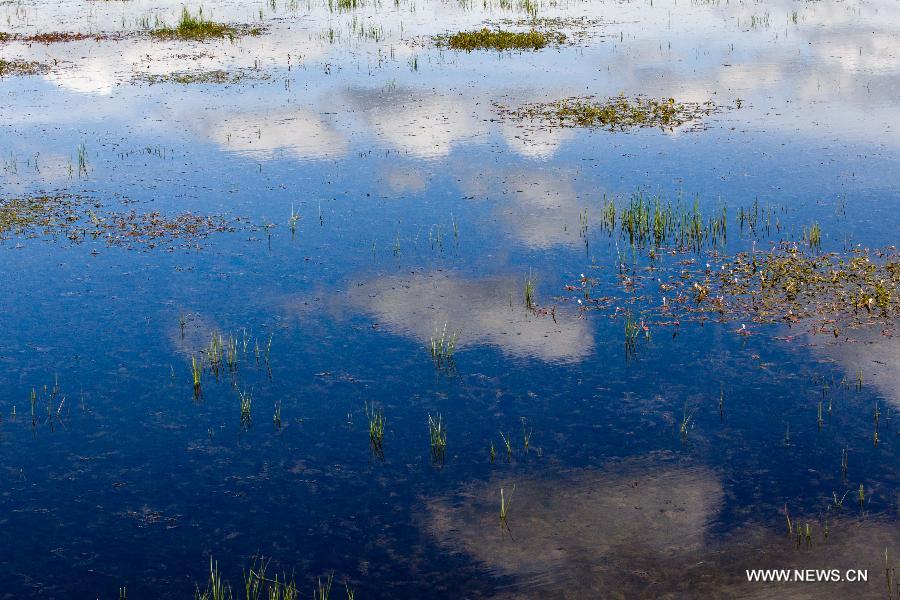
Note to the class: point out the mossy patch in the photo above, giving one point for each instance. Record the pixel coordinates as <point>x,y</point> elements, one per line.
<point>498,39</point>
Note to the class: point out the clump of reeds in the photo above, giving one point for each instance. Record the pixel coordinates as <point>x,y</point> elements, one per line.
<point>443,345</point>
<point>246,404</point>
<point>197,374</point>
<point>437,435</point>
<point>195,27</point>
<point>529,292</point>
<point>375,417</point>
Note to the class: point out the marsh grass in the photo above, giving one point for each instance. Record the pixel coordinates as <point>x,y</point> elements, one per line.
<point>197,374</point>
<point>258,585</point>
<point>632,329</point>
<point>442,347</point>
<point>507,444</point>
<point>687,421</point>
<point>196,27</point>
<point>498,39</point>
<point>437,435</point>
<point>504,510</point>
<point>529,292</point>
<point>276,416</point>
<point>375,417</point>
<point>246,399</point>
<point>323,590</point>
<point>216,588</point>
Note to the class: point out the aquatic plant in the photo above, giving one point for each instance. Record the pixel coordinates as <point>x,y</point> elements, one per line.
<point>375,416</point>
<point>442,347</point>
<point>196,373</point>
<point>293,220</point>
<point>257,585</point>
<point>498,39</point>
<point>620,112</point>
<point>529,292</point>
<point>276,416</point>
<point>889,575</point>
<point>196,27</point>
<point>814,237</point>
<point>632,329</point>
<point>216,589</point>
<point>504,510</point>
<point>81,152</point>
<point>506,443</point>
<point>323,591</point>
<point>687,421</point>
<point>437,435</point>
<point>246,399</point>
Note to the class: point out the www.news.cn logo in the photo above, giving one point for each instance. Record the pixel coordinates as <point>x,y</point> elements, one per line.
<point>807,575</point>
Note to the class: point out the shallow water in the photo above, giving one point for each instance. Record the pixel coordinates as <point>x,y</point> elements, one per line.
<point>421,207</point>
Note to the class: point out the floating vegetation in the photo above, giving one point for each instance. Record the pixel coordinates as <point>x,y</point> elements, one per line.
<point>198,77</point>
<point>437,435</point>
<point>196,27</point>
<point>53,37</point>
<point>498,39</point>
<point>613,113</point>
<point>835,292</point>
<point>20,67</point>
<point>79,219</point>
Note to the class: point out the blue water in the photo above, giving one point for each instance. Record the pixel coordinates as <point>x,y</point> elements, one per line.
<point>419,208</point>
